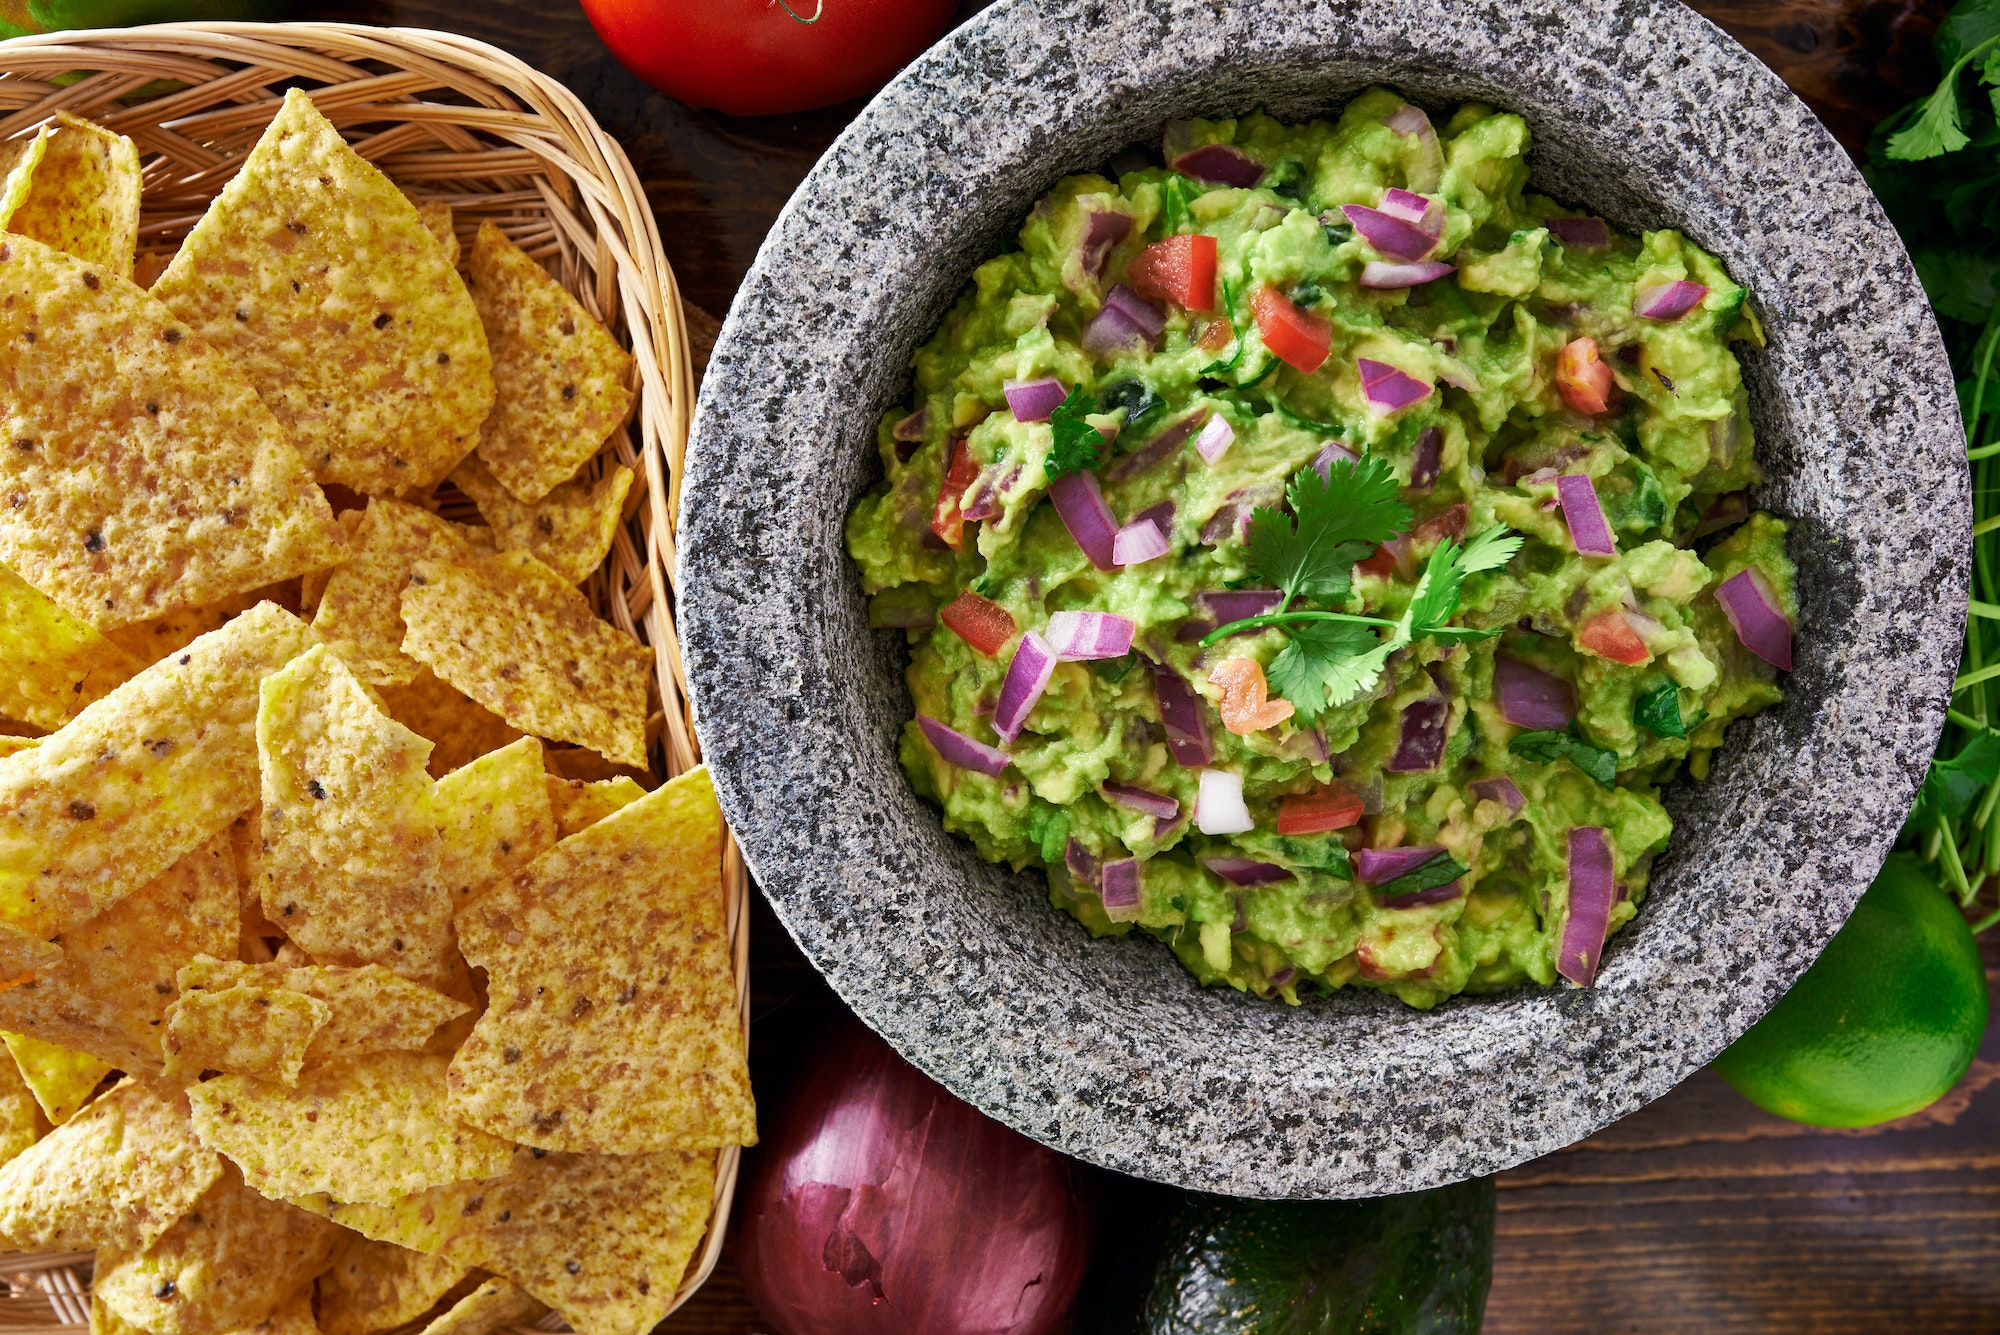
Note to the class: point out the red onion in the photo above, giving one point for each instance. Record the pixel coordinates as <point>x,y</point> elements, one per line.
<point>962,751</point>
<point>1394,237</point>
<point>1028,674</point>
<point>882,1203</point>
<point>1106,228</point>
<point>1079,501</point>
<point>1387,277</point>
<point>1421,743</point>
<point>1728,509</point>
<point>1588,528</point>
<point>1159,805</point>
<point>1081,635</point>
<point>1437,894</point>
<point>1376,866</point>
<point>1752,608</point>
<point>1118,883</point>
<point>1227,605</point>
<point>1667,301</point>
<point>1141,312</point>
<point>1219,164</point>
<point>1429,458</point>
<point>1592,892</point>
<point>1418,210</point>
<point>1161,513</point>
<point>1580,233</point>
<point>1185,718</point>
<point>1080,862</point>
<point>1156,449</point>
<point>1407,119</point>
<point>1247,871</point>
<point>1139,542</point>
<point>1215,439</point>
<point>1429,169</point>
<point>1500,789</point>
<point>912,427</point>
<point>1531,698</point>
<point>1387,389</point>
<point>1034,400</point>
<point>1323,461</point>
<point>1219,806</point>
<point>1111,330</point>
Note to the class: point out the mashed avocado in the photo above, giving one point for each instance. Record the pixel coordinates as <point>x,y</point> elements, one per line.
<point>1415,801</point>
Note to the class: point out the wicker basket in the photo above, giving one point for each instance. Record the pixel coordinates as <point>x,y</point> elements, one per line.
<point>453,120</point>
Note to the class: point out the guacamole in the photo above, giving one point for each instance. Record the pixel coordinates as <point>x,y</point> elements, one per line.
<point>1316,552</point>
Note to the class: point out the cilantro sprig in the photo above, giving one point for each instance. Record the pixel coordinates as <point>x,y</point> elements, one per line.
<point>1074,442</point>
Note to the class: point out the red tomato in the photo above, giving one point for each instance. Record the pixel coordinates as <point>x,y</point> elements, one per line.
<point>983,624</point>
<point>759,58</point>
<point>1330,808</point>
<point>1180,270</point>
<point>946,520</point>
<point>1610,635</point>
<point>1583,381</point>
<point>1301,339</point>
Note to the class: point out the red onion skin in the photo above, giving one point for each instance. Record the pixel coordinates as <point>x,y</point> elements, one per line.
<point>883,1204</point>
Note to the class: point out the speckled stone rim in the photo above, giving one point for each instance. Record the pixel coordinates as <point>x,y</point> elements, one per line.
<point>1107,1050</point>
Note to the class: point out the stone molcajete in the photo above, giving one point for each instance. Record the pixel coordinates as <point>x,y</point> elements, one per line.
<point>1643,112</point>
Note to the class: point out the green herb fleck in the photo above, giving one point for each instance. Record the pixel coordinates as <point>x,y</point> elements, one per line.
<point>1074,442</point>
<point>1440,870</point>
<point>1658,711</point>
<point>1547,747</point>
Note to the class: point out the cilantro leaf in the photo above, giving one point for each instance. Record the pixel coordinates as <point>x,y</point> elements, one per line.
<point>1440,870</point>
<point>1074,442</point>
<point>1307,671</point>
<point>1547,747</point>
<point>1934,129</point>
<point>1659,712</point>
<point>1335,521</point>
<point>1951,786</point>
<point>1436,598</point>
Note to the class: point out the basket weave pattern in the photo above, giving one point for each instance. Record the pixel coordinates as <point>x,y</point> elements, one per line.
<point>455,121</point>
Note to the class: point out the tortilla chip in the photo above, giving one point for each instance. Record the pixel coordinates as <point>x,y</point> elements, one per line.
<point>254,1031</point>
<point>142,475</point>
<point>492,1305</point>
<point>376,1286</point>
<point>578,806</point>
<point>108,995</point>
<point>586,766</point>
<point>118,1174</point>
<point>603,1239</point>
<point>369,1009</point>
<point>104,1321</point>
<point>51,664</point>
<point>62,1079</point>
<point>234,1260</point>
<point>461,730</point>
<point>150,641</point>
<point>494,818</point>
<point>316,278</point>
<point>139,779</point>
<point>569,530</point>
<point>350,850</point>
<point>20,1124</point>
<point>561,377</point>
<point>612,1025</point>
<point>10,745</point>
<point>520,640</point>
<point>437,220</point>
<point>77,190</point>
<point>369,1129</point>
<point>312,584</point>
<point>359,614</point>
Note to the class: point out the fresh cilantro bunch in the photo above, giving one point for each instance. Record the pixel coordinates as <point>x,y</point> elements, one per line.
<point>1333,657</point>
<point>1075,443</point>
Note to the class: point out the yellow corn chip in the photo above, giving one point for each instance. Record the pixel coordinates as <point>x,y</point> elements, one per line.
<point>108,993</point>
<point>314,275</point>
<point>603,1239</point>
<point>254,1031</point>
<point>78,191</point>
<point>376,1286</point>
<point>561,377</point>
<point>520,640</point>
<point>19,1127</point>
<point>612,1025</point>
<point>51,664</point>
<point>350,850</point>
<point>312,584</point>
<point>586,766</point>
<point>104,1321</point>
<point>140,474</point>
<point>116,1175</point>
<point>293,1317</point>
<point>150,641</point>
<point>461,730</point>
<point>368,1129</point>
<point>569,530</point>
<point>63,1080</point>
<point>10,745</point>
<point>139,779</point>
<point>233,1261</point>
<point>438,221</point>
<point>578,806</point>
<point>359,614</point>
<point>494,818</point>
<point>369,1009</point>
<point>494,1304</point>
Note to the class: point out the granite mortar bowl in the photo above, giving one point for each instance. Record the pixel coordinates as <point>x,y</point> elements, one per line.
<point>1107,1050</point>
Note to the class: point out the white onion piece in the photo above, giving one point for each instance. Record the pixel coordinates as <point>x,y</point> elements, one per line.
<point>1027,677</point>
<point>1215,439</point>
<point>1219,806</point>
<point>1593,889</point>
<point>1076,636</point>
<point>1388,277</point>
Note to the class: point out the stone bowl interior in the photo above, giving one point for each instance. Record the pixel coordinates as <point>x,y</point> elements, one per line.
<point>1106,1049</point>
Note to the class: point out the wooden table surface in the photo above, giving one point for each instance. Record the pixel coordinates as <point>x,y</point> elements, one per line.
<point>1697,1213</point>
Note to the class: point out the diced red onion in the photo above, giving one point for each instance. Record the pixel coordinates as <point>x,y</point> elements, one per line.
<point>1219,164</point>
<point>1079,501</point>
<point>1421,745</point>
<point>1729,508</point>
<point>1185,718</point>
<point>1284,976</point>
<point>1387,389</point>
<point>1376,866</point>
<point>1531,698</point>
<point>1419,210</point>
<point>1215,439</point>
<point>1323,461</point>
<point>1081,635</point>
<point>1027,677</point>
<point>1159,805</point>
<point>1429,169</point>
<point>912,427</point>
<point>982,498</point>
<point>1156,449</point>
<point>1247,871</point>
<point>1141,312</point>
<point>1397,238</point>
<point>1081,862</point>
<point>1588,528</point>
<point>1667,301</point>
<point>1034,400</point>
<point>1407,119</point>
<point>1752,608</point>
<point>1437,894</point>
<point>1387,277</point>
<point>1220,525</point>
<point>1500,789</point>
<point>962,751</point>
<point>1111,330</point>
<point>1161,513</point>
<point>1580,233</point>
<point>1107,227</point>
<point>1139,542</point>
<point>1227,605</point>
<point>1592,891</point>
<point>1219,806</point>
<point>1429,458</point>
<point>1119,884</point>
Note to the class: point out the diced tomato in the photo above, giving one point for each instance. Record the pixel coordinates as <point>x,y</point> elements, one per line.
<point>946,521</point>
<point>1180,269</point>
<point>1582,379</point>
<point>1610,635</point>
<point>980,622</point>
<point>1246,704</point>
<point>1446,523</point>
<point>1298,337</point>
<point>1330,808</point>
<point>1392,558</point>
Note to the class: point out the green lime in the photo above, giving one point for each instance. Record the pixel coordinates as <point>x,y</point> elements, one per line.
<point>1882,1024</point>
